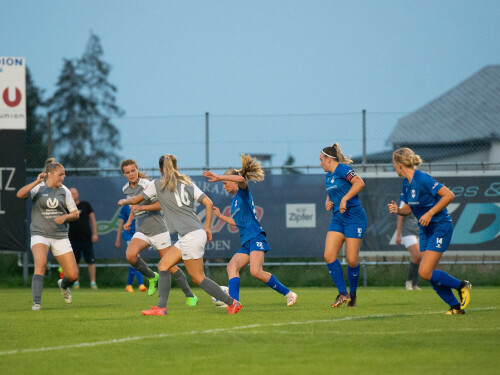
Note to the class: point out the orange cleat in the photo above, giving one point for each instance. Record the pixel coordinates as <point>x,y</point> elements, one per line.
<point>142,288</point>
<point>129,288</point>
<point>234,308</point>
<point>155,310</point>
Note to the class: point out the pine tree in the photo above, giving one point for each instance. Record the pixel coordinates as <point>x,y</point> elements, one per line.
<point>36,127</point>
<point>82,109</point>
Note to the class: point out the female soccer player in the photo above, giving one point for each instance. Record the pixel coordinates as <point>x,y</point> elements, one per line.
<point>52,208</point>
<point>406,234</point>
<point>348,224</point>
<point>253,238</point>
<point>427,199</point>
<point>127,236</point>
<point>151,230</point>
<point>177,194</point>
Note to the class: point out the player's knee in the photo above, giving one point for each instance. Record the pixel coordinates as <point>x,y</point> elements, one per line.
<point>72,275</point>
<point>256,272</point>
<point>424,273</point>
<point>131,257</point>
<point>197,279</point>
<point>330,258</point>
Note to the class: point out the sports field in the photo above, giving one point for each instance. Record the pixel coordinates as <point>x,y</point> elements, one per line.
<point>392,331</point>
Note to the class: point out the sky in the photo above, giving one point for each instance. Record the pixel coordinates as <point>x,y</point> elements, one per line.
<point>260,68</point>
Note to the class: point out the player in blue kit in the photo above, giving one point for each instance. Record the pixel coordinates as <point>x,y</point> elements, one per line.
<point>348,224</point>
<point>427,199</point>
<point>253,238</point>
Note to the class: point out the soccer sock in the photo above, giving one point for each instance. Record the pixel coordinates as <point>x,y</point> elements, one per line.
<point>143,268</point>
<point>65,283</point>
<point>138,276</point>
<point>411,270</point>
<point>180,279</point>
<point>164,282</point>
<point>234,288</point>
<point>445,293</point>
<point>414,279</point>
<point>212,288</point>
<point>335,269</point>
<point>36,288</point>
<point>442,278</point>
<point>353,276</point>
<point>131,274</point>
<point>275,284</point>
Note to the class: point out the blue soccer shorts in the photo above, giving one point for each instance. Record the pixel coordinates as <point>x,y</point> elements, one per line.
<point>258,243</point>
<point>352,223</point>
<point>436,236</point>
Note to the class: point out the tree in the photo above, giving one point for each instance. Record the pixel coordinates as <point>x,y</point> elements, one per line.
<point>288,166</point>
<point>36,126</point>
<point>82,110</point>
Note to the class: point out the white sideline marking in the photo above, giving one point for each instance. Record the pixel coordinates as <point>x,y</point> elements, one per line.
<point>218,330</point>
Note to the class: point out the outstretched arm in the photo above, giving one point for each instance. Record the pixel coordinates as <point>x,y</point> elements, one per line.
<point>226,219</point>
<point>212,177</point>
<point>134,200</point>
<point>25,190</point>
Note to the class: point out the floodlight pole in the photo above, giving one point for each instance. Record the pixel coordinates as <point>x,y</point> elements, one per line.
<point>364,136</point>
<point>207,143</point>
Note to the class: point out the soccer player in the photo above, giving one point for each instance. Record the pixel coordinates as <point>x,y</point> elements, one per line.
<point>82,235</point>
<point>253,238</point>
<point>127,236</point>
<point>177,194</point>
<point>406,234</point>
<point>52,208</point>
<point>427,199</point>
<point>348,224</point>
<point>151,230</point>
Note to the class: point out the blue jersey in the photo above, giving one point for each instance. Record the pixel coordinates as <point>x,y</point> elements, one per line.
<point>421,195</point>
<point>338,184</point>
<point>124,214</point>
<point>244,214</point>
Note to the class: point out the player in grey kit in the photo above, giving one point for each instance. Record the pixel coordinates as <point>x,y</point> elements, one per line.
<point>151,230</point>
<point>177,194</point>
<point>406,234</point>
<point>53,206</point>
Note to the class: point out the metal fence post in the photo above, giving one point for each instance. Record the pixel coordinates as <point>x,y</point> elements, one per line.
<point>364,136</point>
<point>365,273</point>
<point>207,142</point>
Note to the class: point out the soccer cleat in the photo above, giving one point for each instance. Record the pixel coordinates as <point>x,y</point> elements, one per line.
<point>76,285</point>
<point>453,311</point>
<point>416,287</point>
<point>352,302</point>
<point>142,288</point>
<point>191,301</point>
<point>234,308</point>
<point>155,310</point>
<point>291,298</point>
<point>93,286</point>
<point>153,283</point>
<point>464,293</point>
<point>66,293</point>
<point>129,289</point>
<point>408,285</point>
<point>36,307</point>
<point>341,298</point>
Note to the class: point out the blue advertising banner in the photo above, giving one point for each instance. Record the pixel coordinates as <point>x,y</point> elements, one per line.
<point>291,211</point>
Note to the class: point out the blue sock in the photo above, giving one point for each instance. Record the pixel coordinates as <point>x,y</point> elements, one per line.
<point>353,276</point>
<point>139,277</point>
<point>131,274</point>
<point>234,288</point>
<point>275,284</point>
<point>442,278</point>
<point>445,293</point>
<point>335,269</point>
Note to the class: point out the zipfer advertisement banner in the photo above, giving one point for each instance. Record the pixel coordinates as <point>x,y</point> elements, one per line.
<point>291,211</point>
<point>12,152</point>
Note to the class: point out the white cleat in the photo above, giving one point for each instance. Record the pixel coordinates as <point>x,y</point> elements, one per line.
<point>36,307</point>
<point>291,299</point>
<point>408,285</point>
<point>66,293</point>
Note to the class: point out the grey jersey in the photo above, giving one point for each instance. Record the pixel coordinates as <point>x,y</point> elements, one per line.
<point>150,223</point>
<point>49,203</point>
<point>409,226</point>
<point>178,206</point>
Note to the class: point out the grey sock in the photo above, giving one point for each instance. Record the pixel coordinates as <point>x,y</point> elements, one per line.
<point>163,288</point>
<point>414,278</point>
<point>65,283</point>
<point>143,268</point>
<point>36,288</point>
<point>180,279</point>
<point>212,288</point>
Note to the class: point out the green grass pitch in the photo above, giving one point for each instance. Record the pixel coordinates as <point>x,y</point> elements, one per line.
<point>392,331</point>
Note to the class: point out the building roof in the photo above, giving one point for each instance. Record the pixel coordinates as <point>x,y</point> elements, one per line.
<point>469,111</point>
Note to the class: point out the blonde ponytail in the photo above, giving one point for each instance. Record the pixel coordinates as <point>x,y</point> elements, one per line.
<point>170,175</point>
